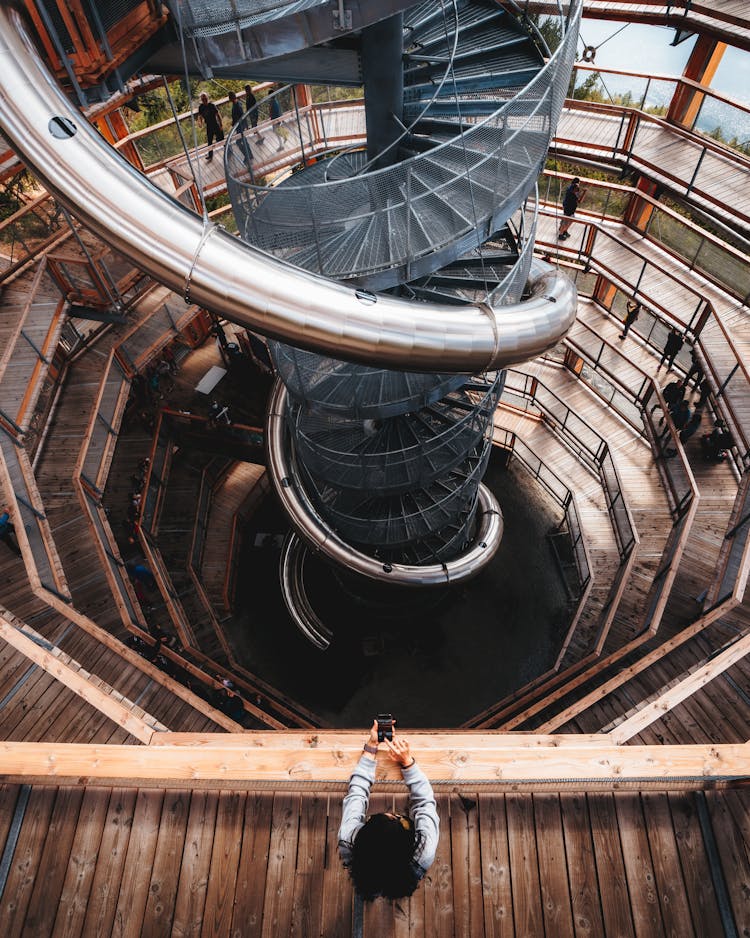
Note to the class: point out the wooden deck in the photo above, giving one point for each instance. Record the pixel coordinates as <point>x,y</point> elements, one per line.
<point>219,555</point>
<point>715,182</point>
<point>152,862</point>
<point>725,19</point>
<point>668,283</point>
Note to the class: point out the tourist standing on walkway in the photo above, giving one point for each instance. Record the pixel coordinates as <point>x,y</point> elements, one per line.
<point>237,112</point>
<point>692,425</point>
<point>274,112</point>
<point>8,532</point>
<point>388,854</point>
<point>672,346</point>
<point>634,311</point>
<point>696,370</point>
<point>238,120</point>
<point>572,198</point>
<point>705,389</point>
<point>250,105</point>
<point>672,393</point>
<point>681,413</point>
<point>209,114</point>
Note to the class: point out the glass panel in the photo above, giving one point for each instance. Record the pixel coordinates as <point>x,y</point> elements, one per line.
<point>725,123</point>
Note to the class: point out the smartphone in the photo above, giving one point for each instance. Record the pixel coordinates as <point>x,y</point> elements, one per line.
<point>385,726</point>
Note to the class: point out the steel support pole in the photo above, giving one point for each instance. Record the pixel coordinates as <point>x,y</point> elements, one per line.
<point>383,80</point>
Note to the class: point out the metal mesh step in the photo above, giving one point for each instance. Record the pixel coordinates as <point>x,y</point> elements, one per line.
<point>397,454</point>
<point>332,386</point>
<point>381,228</point>
<point>378,520</point>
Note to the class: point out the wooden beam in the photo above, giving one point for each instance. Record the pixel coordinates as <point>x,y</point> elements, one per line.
<point>423,740</point>
<point>133,658</point>
<point>76,680</point>
<point>325,759</point>
<point>681,691</point>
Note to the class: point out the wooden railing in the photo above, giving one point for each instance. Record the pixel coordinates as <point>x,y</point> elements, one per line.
<point>192,760</point>
<point>590,447</point>
<point>33,533</point>
<point>33,229</point>
<point>699,249</point>
<point>617,140</point>
<point>641,85</point>
<point>32,354</point>
<point>514,710</point>
<point>69,673</point>
<point>308,128</point>
<point>571,523</point>
<point>646,283</point>
<point>277,709</point>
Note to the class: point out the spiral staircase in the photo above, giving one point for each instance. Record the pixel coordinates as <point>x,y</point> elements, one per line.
<point>440,205</point>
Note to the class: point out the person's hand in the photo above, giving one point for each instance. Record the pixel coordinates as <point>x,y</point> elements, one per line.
<point>373,740</point>
<point>399,750</point>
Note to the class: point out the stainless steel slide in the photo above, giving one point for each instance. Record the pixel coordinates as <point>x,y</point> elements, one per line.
<point>319,536</point>
<point>216,270</point>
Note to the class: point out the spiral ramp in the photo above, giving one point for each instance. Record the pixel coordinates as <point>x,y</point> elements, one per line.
<point>422,263</point>
<point>392,461</point>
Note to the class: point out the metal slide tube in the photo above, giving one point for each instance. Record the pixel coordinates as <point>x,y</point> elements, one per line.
<point>321,537</point>
<point>214,269</point>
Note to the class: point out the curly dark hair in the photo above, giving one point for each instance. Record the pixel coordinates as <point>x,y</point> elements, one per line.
<point>383,858</point>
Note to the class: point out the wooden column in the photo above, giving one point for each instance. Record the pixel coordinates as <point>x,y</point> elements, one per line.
<point>113,127</point>
<point>639,210</point>
<point>701,67</point>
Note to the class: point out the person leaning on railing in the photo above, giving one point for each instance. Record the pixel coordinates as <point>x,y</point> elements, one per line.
<point>388,854</point>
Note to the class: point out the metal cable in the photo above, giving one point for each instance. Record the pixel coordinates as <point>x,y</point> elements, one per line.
<point>197,178</point>
<point>463,146</point>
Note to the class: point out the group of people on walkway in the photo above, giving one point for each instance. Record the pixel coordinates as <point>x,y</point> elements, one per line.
<point>210,115</point>
<point>686,398</point>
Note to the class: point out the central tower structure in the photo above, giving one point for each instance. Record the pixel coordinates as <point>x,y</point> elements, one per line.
<point>461,98</point>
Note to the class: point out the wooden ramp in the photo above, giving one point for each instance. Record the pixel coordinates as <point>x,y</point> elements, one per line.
<point>154,862</point>
<point>221,542</point>
<point>709,176</point>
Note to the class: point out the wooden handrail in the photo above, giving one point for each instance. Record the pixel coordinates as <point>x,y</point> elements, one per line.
<point>585,219</point>
<point>147,667</point>
<point>613,277</point>
<point>655,709</point>
<point>707,90</point>
<point>184,115</point>
<point>61,667</point>
<point>730,156</point>
<point>325,757</point>
<point>739,511</point>
<point>632,192</point>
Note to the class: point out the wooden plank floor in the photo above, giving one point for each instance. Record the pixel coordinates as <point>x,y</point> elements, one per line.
<point>722,177</point>
<point>100,861</point>
<point>227,499</point>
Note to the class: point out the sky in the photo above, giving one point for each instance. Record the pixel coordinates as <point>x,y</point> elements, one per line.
<point>642,48</point>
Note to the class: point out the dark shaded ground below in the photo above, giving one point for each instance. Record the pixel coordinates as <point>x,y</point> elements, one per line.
<point>431,658</point>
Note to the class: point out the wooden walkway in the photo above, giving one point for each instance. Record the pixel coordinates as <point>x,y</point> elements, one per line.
<point>228,497</point>
<point>151,862</point>
<point>725,19</point>
<point>713,178</point>
<point>642,491</point>
<point>669,283</point>
<point>274,145</point>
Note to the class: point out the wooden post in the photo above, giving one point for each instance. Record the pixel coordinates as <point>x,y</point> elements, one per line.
<point>701,67</point>
<point>604,292</point>
<point>639,210</point>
